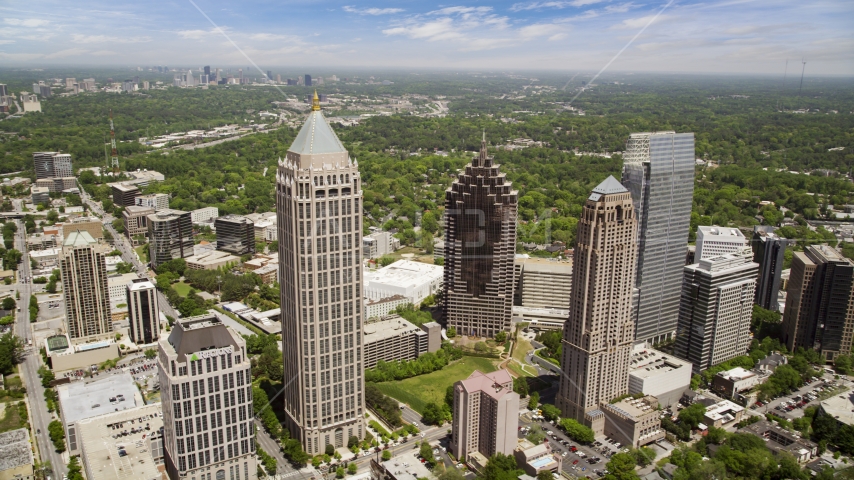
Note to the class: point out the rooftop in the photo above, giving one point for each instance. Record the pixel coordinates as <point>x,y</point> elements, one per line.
<point>124,187</point>
<point>715,231</point>
<point>723,410</point>
<point>736,374</point>
<point>633,408</point>
<point>166,214</point>
<point>140,284</point>
<point>404,466</point>
<point>80,400</point>
<point>545,265</point>
<point>143,447</point>
<point>138,210</point>
<point>648,363</point>
<point>193,335</point>
<point>78,238</point>
<point>211,257</point>
<point>316,136</point>
<point>388,327</point>
<point>121,280</point>
<point>405,274</point>
<point>15,449</point>
<point>840,407</point>
<point>234,219</point>
<point>608,186</point>
<point>489,383</point>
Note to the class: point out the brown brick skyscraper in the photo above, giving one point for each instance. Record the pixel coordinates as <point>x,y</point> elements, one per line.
<point>480,244</point>
<point>597,337</point>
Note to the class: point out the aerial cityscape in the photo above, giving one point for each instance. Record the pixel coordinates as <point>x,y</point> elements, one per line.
<point>426,243</point>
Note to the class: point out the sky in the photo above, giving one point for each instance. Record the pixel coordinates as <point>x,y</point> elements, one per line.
<point>706,37</point>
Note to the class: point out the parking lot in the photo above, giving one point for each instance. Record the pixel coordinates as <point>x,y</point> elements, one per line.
<point>578,460</point>
<point>792,406</point>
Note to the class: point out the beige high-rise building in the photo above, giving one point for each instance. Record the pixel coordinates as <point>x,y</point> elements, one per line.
<point>84,282</point>
<point>486,415</point>
<point>597,337</point>
<point>206,389</point>
<point>319,221</point>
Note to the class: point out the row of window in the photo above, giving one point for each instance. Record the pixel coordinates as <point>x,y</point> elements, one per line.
<point>195,460</point>
<point>232,416</point>
<point>182,391</point>
<point>201,440</point>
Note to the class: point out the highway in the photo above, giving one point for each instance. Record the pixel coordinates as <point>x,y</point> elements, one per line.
<point>128,254</point>
<point>39,416</point>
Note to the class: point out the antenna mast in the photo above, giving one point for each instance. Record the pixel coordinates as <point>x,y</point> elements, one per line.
<point>114,155</point>
<point>802,76</point>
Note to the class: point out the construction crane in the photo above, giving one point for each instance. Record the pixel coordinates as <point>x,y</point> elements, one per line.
<point>114,154</point>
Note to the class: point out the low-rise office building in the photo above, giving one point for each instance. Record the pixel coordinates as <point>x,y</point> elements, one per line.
<point>170,236</point>
<point>723,413</point>
<point>413,280</point>
<point>383,306</point>
<point>778,440</point>
<point>539,318</point>
<point>157,201</point>
<point>92,398</point>
<point>63,356</point>
<point>392,338</point>
<point>543,282</point>
<point>135,219</point>
<point>235,234</point>
<point>534,459</point>
<point>16,455</point>
<point>211,260</point>
<point>377,244</point>
<point>40,195</point>
<point>110,442</point>
<point>655,373</point>
<point>204,215</point>
<point>840,407</point>
<point>732,382</point>
<point>91,225</point>
<point>633,422</point>
<point>124,194</point>
<point>117,286</point>
<point>716,241</point>
<point>434,335</point>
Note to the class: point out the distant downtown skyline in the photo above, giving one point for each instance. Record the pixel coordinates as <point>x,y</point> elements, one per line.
<point>720,36</point>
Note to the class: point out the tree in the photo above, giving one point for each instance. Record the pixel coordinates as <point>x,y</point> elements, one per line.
<point>433,414</point>
<point>11,352</point>
<point>74,470</point>
<point>842,364</point>
<point>426,452</point>
<point>520,386</point>
<point>330,450</point>
<point>621,467</point>
<point>546,475</point>
<point>8,303</point>
<point>576,431</point>
<point>451,332</point>
<point>340,473</point>
<point>451,473</point>
<point>12,258</point>
<point>501,337</point>
<point>386,455</point>
<point>57,435</point>
<point>550,412</point>
<point>150,353</point>
<point>502,467</point>
<point>693,415</point>
<point>534,401</point>
<point>123,267</point>
<point>386,260</point>
<point>352,468</point>
<point>352,441</point>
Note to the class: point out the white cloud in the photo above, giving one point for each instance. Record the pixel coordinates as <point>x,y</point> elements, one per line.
<point>541,30</point>
<point>273,37</point>
<point>78,38</point>
<point>460,10</point>
<point>200,34</point>
<point>6,42</point>
<point>372,11</point>
<point>29,22</point>
<point>560,4</point>
<point>639,22</point>
<point>103,53</point>
<point>68,52</point>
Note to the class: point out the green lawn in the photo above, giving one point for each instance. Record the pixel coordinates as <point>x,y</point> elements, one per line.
<point>420,390</point>
<point>182,288</point>
<point>142,252</point>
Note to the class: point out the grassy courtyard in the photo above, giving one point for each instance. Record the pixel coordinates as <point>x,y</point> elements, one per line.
<point>182,288</point>
<point>423,389</point>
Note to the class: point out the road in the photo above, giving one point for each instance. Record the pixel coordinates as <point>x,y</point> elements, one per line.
<point>128,254</point>
<point>39,416</point>
<point>273,448</point>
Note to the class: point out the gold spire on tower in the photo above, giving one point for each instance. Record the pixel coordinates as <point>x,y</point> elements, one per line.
<point>315,102</point>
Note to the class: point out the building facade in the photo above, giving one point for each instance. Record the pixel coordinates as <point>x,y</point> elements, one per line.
<point>392,339</point>
<point>52,164</point>
<point>157,201</point>
<point>319,217</point>
<point>543,282</point>
<point>84,282</point>
<point>413,280</point>
<point>819,311</point>
<point>480,245</point>
<point>658,374</point>
<point>203,215</point>
<point>206,392</point>
<point>716,308</point>
<point>485,415</point>
<point>715,241</point>
<point>633,422</point>
<point>170,236</point>
<point>135,218</point>
<point>235,234</point>
<point>143,312</point>
<point>597,337</point>
<point>768,251</point>
<point>658,170</point>
<point>124,194</point>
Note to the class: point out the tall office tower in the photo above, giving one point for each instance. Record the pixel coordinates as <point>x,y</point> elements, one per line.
<point>715,309</point>
<point>235,234</point>
<point>170,236</point>
<point>143,314</point>
<point>768,251</point>
<point>52,165</point>
<point>658,169</point>
<point>4,91</point>
<point>207,71</point>
<point>83,268</point>
<point>319,222</point>
<point>480,246</point>
<point>715,241</point>
<point>308,80</point>
<point>44,91</point>
<point>597,337</point>
<point>206,390</point>
<point>819,311</point>
<point>269,76</point>
<point>486,415</point>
